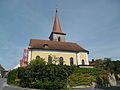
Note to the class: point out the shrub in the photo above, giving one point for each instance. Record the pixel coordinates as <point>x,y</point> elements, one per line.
<point>11,78</point>
<point>85,76</point>
<point>41,76</point>
<point>46,77</point>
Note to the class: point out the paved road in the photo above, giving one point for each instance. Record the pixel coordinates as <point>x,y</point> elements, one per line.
<point>4,86</point>
<point>15,88</point>
<point>2,83</point>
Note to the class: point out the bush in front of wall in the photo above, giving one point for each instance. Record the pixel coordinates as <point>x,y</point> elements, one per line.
<point>11,78</point>
<point>45,77</point>
<point>39,75</point>
<point>85,76</point>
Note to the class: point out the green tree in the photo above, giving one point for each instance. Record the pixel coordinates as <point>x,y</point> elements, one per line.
<point>40,75</point>
<point>117,69</point>
<point>11,77</point>
<point>105,64</point>
<point>117,66</point>
<point>99,63</point>
<point>55,59</point>
<point>37,62</point>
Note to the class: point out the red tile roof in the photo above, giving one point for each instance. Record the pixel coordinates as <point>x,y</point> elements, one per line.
<point>55,45</point>
<point>91,63</point>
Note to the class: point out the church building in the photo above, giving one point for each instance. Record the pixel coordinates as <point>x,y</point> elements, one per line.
<point>68,52</point>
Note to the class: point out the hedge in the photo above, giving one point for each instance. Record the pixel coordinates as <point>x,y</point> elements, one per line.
<point>41,76</point>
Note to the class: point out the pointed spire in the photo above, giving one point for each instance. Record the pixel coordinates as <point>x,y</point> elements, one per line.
<point>57,34</point>
<point>56,27</point>
<point>56,10</point>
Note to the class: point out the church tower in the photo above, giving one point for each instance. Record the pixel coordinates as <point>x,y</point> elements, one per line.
<point>57,34</point>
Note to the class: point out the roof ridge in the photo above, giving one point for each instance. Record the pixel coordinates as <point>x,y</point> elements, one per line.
<point>54,41</point>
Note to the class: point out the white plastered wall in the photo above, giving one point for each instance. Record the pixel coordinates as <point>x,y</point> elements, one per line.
<point>29,56</point>
<point>82,56</point>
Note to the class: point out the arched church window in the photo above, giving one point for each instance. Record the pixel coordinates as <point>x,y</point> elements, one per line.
<point>83,62</point>
<point>59,39</point>
<point>37,57</point>
<point>49,60</point>
<point>61,61</point>
<point>71,61</point>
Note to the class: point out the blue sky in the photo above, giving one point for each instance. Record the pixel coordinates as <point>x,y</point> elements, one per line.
<point>93,24</point>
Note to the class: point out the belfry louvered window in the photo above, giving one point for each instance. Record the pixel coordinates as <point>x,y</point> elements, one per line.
<point>59,39</point>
